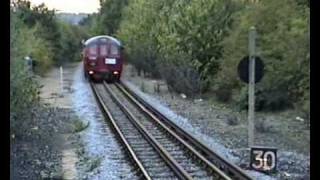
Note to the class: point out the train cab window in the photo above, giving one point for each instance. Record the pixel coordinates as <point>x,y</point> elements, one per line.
<point>114,50</point>
<point>93,49</point>
<point>103,50</point>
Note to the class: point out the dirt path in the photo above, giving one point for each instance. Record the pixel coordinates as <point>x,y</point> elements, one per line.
<point>51,91</point>
<point>58,95</point>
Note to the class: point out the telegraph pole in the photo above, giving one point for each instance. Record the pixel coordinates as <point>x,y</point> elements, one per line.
<point>252,53</point>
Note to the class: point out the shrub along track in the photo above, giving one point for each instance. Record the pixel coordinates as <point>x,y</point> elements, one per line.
<point>159,148</point>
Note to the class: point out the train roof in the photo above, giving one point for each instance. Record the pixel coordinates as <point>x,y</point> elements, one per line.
<point>96,38</point>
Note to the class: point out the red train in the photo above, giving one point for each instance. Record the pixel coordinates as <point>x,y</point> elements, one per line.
<point>103,58</point>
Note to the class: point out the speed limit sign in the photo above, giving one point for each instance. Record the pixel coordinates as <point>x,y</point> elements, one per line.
<point>263,159</point>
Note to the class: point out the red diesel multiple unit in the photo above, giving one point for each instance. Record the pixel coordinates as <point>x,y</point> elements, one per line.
<point>103,58</point>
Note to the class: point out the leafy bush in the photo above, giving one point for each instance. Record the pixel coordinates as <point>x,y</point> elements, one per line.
<point>266,99</point>
<point>23,98</point>
<point>24,90</point>
<point>181,79</point>
<point>70,42</point>
<point>39,49</point>
<point>197,28</point>
<point>187,35</point>
<point>283,44</point>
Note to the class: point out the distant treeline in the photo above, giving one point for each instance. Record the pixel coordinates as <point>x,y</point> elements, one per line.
<point>195,45</point>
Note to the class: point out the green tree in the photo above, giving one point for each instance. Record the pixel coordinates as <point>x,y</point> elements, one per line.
<point>187,34</point>
<point>283,44</point>
<point>70,42</point>
<point>110,15</point>
<point>45,21</point>
<point>92,25</point>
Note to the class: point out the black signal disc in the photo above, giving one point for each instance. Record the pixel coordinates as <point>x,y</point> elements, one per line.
<point>243,69</point>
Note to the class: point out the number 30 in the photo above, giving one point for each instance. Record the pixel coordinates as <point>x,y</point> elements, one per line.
<point>262,162</point>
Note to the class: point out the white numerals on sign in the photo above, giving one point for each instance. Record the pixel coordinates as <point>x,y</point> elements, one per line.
<point>273,160</point>
<point>262,158</point>
<point>258,157</point>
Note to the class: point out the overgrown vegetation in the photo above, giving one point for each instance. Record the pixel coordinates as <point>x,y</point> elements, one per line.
<point>195,45</point>
<point>283,44</point>
<point>35,32</point>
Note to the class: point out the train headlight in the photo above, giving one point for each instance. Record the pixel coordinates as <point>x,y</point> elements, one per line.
<point>115,72</point>
<point>91,72</point>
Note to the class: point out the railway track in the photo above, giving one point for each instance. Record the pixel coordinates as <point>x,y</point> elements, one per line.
<point>159,148</point>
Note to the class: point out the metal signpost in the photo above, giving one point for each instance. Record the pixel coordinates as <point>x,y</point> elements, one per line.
<point>251,71</point>
<point>252,44</point>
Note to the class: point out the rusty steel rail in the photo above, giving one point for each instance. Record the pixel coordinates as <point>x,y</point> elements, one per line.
<point>232,171</point>
<point>108,115</point>
<point>175,166</point>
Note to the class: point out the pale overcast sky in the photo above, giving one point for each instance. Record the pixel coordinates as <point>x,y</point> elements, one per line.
<point>73,6</point>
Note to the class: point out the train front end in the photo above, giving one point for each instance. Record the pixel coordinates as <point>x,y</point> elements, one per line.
<point>103,59</point>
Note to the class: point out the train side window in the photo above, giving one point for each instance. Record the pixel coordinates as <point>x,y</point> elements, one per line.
<point>103,50</point>
<point>114,50</point>
<point>93,49</point>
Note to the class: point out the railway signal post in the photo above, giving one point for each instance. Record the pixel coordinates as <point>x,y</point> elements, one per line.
<point>251,71</point>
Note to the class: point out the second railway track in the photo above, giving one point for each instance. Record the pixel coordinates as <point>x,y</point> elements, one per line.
<point>158,149</point>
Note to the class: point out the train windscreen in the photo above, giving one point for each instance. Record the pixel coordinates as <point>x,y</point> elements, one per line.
<point>93,49</point>
<point>103,50</point>
<point>114,50</point>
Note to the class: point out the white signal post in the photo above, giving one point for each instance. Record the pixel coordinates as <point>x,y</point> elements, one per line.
<point>252,46</point>
<point>61,79</point>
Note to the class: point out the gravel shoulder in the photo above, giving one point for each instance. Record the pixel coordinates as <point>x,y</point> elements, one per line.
<point>283,130</point>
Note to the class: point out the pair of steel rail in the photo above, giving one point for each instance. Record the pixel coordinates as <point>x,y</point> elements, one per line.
<point>216,166</point>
